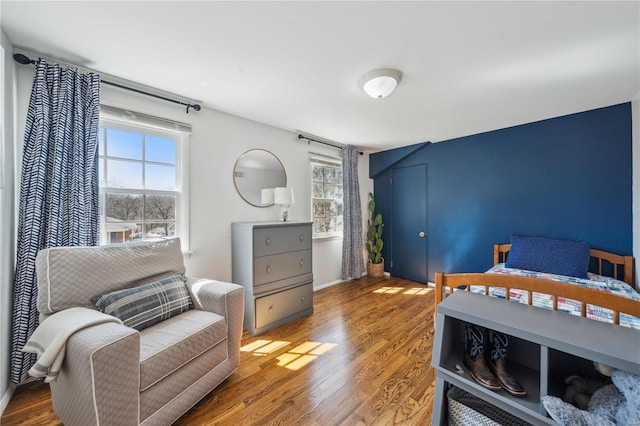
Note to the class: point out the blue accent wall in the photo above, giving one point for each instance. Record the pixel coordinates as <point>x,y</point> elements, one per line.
<point>568,177</point>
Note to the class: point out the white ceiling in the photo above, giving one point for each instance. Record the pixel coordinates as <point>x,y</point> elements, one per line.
<point>467,67</point>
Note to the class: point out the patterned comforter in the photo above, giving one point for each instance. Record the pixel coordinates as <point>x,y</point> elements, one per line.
<point>572,307</point>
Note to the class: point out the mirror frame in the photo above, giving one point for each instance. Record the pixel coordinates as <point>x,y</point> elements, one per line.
<point>284,172</point>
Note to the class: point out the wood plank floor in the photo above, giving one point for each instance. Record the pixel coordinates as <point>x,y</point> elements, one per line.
<point>362,358</point>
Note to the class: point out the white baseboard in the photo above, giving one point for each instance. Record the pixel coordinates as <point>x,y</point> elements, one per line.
<point>7,397</point>
<point>329,284</point>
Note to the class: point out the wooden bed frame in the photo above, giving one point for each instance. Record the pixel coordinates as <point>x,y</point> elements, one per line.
<point>556,289</point>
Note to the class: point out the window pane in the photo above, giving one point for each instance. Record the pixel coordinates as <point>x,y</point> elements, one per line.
<point>330,175</point>
<point>329,190</point>
<point>102,171</point>
<point>332,209</point>
<point>101,141</point>
<point>160,177</point>
<point>318,208</point>
<point>327,199</point>
<point>124,144</point>
<point>162,150</point>
<point>332,225</point>
<point>318,226</point>
<point>124,174</point>
<point>317,190</point>
<point>124,207</point>
<point>159,230</point>
<point>317,174</point>
<point>135,162</point>
<point>160,207</point>
<point>122,232</point>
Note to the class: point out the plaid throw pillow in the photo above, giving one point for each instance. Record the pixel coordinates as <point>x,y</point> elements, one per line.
<point>141,307</point>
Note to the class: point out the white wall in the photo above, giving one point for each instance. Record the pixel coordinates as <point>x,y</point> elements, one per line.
<point>7,215</point>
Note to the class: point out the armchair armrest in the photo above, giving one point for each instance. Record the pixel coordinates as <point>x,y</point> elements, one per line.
<point>99,382</point>
<point>224,299</point>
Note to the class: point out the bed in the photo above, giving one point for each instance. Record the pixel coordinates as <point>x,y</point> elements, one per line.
<point>607,295</point>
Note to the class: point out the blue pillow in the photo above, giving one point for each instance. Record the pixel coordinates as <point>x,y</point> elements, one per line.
<point>561,257</point>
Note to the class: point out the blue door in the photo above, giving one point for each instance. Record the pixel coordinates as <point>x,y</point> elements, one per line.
<point>409,222</point>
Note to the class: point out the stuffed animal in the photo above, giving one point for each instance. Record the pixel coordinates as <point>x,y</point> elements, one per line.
<point>578,390</point>
<point>614,404</point>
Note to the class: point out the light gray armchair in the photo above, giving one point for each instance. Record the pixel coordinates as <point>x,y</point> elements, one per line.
<point>116,375</point>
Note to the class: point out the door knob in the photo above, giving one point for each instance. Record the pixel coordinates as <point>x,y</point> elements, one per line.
<point>422,234</point>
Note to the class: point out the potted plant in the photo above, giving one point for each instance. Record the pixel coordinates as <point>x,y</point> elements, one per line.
<point>375,265</point>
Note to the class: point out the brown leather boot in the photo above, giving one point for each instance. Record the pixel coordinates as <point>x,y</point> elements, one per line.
<point>499,343</point>
<point>474,358</point>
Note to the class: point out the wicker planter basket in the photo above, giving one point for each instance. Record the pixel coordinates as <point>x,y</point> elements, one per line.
<point>375,269</point>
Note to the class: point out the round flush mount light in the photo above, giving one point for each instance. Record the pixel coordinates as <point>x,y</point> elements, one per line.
<point>380,83</point>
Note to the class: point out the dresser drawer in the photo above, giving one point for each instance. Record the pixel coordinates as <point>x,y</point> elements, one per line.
<point>275,307</point>
<point>268,269</point>
<point>281,239</point>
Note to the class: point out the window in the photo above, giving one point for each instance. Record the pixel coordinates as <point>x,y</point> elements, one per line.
<point>143,193</point>
<point>326,181</point>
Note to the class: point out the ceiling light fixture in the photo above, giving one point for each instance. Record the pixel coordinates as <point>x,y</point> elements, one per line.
<point>380,83</point>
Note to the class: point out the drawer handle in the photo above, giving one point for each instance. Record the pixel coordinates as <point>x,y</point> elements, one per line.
<point>301,237</point>
<point>271,308</point>
<point>268,241</point>
<point>268,269</point>
<point>302,298</point>
<point>301,262</point>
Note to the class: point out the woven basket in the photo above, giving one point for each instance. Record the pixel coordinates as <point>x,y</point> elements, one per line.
<point>375,269</point>
<point>469,410</point>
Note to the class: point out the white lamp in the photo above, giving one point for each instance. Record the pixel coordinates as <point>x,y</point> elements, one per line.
<point>380,83</point>
<point>267,196</point>
<point>284,197</point>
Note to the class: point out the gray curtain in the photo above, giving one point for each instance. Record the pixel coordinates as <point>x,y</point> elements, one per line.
<point>59,188</point>
<point>352,243</point>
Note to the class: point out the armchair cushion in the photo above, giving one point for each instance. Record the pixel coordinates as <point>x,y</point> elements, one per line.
<point>141,307</point>
<point>167,346</point>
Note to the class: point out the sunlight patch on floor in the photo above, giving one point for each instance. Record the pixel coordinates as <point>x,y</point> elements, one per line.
<point>293,359</point>
<point>264,347</point>
<point>418,291</point>
<point>303,354</point>
<point>389,290</point>
<point>393,290</point>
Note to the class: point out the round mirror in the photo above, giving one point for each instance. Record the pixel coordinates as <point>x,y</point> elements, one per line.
<point>255,170</point>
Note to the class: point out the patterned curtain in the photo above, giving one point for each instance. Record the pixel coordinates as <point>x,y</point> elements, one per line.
<point>352,241</point>
<point>59,188</point>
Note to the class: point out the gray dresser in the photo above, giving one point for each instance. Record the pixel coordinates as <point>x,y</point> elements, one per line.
<point>272,260</point>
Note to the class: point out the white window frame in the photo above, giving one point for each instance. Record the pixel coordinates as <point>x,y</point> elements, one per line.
<point>150,126</point>
<point>324,161</point>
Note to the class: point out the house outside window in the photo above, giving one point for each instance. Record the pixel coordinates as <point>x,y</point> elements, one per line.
<point>327,210</point>
<point>143,191</point>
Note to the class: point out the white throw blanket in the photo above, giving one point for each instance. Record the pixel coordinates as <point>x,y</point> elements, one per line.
<point>49,340</point>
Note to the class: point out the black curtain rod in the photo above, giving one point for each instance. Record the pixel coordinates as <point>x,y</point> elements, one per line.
<point>324,143</point>
<point>25,60</point>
